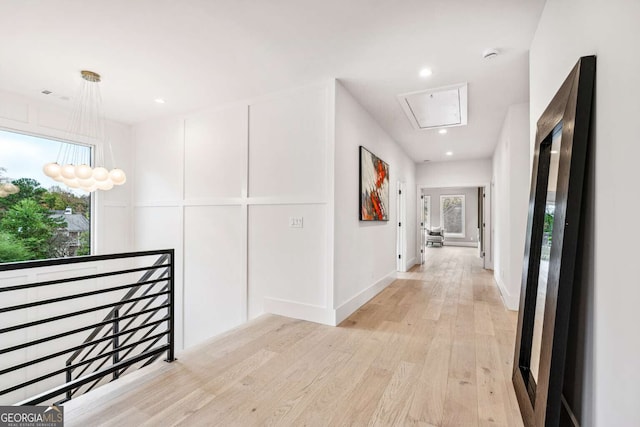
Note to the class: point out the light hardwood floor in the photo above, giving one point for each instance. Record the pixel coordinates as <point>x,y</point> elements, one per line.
<point>433,349</point>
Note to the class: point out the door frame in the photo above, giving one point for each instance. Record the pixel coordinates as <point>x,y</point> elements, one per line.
<point>488,216</point>
<point>401,226</point>
<point>422,229</point>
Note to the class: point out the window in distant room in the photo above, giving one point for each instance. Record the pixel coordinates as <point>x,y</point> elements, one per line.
<point>427,212</point>
<point>452,215</point>
<point>39,218</point>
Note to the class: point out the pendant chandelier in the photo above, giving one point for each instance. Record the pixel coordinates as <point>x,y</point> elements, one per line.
<point>7,188</point>
<point>72,167</point>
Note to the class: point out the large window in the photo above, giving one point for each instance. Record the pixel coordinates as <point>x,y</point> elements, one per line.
<point>427,212</point>
<point>44,218</point>
<point>452,215</point>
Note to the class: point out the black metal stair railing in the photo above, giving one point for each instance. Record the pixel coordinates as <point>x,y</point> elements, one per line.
<point>92,355</point>
<point>130,334</point>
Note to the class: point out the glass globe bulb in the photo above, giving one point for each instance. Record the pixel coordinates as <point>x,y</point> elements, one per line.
<point>83,171</point>
<point>52,169</point>
<point>104,185</point>
<point>118,176</point>
<point>100,174</point>
<point>89,188</point>
<point>72,183</point>
<point>11,188</point>
<point>69,171</point>
<point>86,182</point>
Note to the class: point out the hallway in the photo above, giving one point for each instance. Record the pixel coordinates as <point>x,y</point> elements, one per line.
<point>434,349</point>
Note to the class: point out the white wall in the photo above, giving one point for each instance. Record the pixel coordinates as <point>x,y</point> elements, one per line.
<point>454,173</point>
<point>470,211</point>
<point>289,156</point>
<point>607,360</point>
<point>220,186</point>
<point>365,252</point>
<point>510,180</point>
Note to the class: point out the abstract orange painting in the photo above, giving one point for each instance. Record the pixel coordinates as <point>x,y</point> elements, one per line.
<point>374,187</point>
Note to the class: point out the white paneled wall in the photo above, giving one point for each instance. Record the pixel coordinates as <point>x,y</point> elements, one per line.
<point>214,271</point>
<point>158,152</point>
<point>287,264</point>
<point>288,145</point>
<point>215,163</point>
<point>220,186</point>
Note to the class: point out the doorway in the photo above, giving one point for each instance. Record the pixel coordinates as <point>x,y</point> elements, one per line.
<point>462,213</point>
<point>401,226</point>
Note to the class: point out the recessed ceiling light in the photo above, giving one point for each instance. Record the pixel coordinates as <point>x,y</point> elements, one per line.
<point>442,131</point>
<point>425,72</point>
<point>449,153</point>
<point>159,100</point>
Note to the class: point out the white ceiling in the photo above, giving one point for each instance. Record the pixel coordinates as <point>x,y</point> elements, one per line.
<point>198,53</point>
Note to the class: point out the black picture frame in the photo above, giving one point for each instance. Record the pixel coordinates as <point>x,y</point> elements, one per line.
<point>540,399</point>
<point>373,187</point>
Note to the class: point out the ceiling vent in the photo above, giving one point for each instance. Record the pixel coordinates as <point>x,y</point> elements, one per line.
<point>436,108</point>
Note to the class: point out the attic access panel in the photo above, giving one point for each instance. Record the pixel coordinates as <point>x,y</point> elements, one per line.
<point>435,108</point>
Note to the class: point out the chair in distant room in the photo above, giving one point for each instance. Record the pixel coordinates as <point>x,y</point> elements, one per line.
<point>435,236</point>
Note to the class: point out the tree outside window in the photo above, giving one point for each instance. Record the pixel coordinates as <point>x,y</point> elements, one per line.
<point>452,215</point>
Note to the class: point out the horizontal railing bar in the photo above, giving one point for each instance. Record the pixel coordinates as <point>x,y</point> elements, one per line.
<point>80,295</point>
<point>126,340</point>
<point>77,313</point>
<point>79,346</point>
<point>107,344</point>
<point>96,331</point>
<point>75,331</point>
<point>91,377</point>
<point>79,259</point>
<point>78,278</point>
<point>148,362</point>
<point>109,319</point>
<point>146,334</point>
<point>60,371</point>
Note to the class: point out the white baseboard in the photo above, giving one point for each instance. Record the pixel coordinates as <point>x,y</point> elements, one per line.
<point>298,310</point>
<point>509,301</point>
<point>413,261</point>
<point>348,308</point>
<point>465,244</point>
<point>325,316</point>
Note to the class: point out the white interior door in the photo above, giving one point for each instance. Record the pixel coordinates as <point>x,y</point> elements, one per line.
<point>489,209</point>
<point>425,223</point>
<point>401,226</point>
<point>423,229</point>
